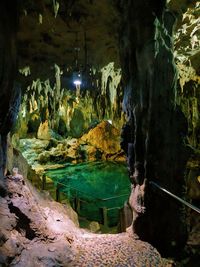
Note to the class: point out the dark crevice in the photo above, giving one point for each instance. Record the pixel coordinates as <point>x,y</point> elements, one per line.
<point>23,223</point>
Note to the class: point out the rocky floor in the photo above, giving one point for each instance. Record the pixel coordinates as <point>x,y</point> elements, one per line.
<point>36,231</point>
<point>115,250</point>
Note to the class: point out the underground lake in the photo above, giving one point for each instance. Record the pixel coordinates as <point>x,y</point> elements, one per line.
<point>97,190</point>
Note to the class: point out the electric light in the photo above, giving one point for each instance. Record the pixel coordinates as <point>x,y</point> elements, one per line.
<point>77,82</point>
<point>77,78</point>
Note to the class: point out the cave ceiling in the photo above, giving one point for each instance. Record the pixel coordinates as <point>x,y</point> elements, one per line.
<point>50,34</point>
<point>52,31</point>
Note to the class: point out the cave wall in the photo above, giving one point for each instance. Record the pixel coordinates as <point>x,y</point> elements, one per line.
<point>49,35</point>
<point>157,125</point>
<point>9,93</point>
<point>187,58</point>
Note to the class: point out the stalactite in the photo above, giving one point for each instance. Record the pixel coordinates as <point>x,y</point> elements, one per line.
<point>60,106</point>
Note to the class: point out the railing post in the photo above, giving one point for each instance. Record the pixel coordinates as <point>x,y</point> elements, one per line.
<point>57,192</point>
<point>44,181</point>
<point>105,216</point>
<point>77,204</point>
<point>68,192</point>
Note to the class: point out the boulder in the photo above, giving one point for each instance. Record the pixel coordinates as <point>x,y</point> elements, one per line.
<point>94,227</point>
<point>104,137</point>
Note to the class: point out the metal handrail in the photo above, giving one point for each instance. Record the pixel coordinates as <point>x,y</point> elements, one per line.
<point>95,198</point>
<point>105,210</point>
<point>175,196</point>
<point>67,186</point>
<point>109,198</point>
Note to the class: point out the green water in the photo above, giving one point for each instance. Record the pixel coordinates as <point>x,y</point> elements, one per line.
<point>98,185</point>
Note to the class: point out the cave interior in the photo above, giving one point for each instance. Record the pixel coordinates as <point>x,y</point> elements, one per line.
<point>99,116</point>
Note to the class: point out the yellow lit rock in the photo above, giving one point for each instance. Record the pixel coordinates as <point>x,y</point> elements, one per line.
<point>43,131</point>
<point>104,137</point>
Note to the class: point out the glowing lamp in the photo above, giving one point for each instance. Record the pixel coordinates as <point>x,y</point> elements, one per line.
<point>77,78</point>
<point>77,82</point>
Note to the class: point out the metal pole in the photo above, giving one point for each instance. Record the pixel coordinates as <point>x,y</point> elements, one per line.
<point>105,216</point>
<point>43,181</point>
<point>175,197</point>
<point>58,192</point>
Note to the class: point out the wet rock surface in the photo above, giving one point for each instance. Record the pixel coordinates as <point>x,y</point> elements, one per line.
<point>100,143</point>
<point>36,231</point>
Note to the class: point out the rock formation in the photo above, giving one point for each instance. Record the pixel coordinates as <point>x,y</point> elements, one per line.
<point>36,231</point>
<point>187,51</point>
<point>51,110</point>
<point>157,125</point>
<point>100,143</point>
<point>9,94</point>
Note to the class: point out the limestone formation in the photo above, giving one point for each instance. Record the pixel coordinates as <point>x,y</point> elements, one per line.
<point>9,94</point>
<point>46,109</point>
<point>100,143</point>
<point>187,56</point>
<point>44,131</point>
<point>159,127</point>
<point>104,137</point>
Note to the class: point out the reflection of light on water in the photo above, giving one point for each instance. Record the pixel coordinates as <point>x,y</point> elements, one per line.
<point>116,187</point>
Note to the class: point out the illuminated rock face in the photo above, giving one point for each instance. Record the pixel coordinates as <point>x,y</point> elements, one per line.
<point>49,109</point>
<point>43,131</point>
<point>100,143</point>
<point>105,137</point>
<point>187,56</point>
